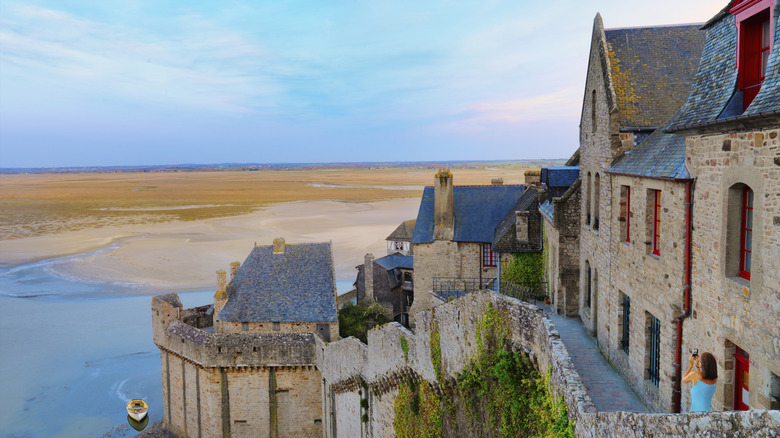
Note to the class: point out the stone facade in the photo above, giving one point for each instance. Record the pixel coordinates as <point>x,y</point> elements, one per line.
<point>562,251</point>
<point>730,311</point>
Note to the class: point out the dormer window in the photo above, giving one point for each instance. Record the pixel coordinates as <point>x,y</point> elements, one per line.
<point>754,42</point>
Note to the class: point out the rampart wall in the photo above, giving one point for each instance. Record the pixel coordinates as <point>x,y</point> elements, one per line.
<point>354,371</point>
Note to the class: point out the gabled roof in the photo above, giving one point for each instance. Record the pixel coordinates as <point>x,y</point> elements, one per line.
<point>296,286</point>
<point>716,80</point>
<point>652,71</point>
<point>478,210</point>
<point>660,155</point>
<point>396,260</point>
<point>505,238</point>
<point>403,232</point>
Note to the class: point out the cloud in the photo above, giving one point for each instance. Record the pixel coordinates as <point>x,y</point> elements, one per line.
<point>560,104</point>
<point>197,65</point>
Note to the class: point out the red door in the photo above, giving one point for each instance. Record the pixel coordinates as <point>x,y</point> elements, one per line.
<point>741,380</point>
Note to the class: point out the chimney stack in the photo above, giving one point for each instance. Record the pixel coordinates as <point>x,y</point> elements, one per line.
<point>279,245</point>
<point>533,178</point>
<point>234,269</point>
<point>221,285</point>
<point>444,209</point>
<point>521,225</point>
<point>368,277</point>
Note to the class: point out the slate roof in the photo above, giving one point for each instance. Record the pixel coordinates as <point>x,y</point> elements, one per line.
<point>296,286</point>
<point>172,299</point>
<point>716,79</point>
<point>508,224</point>
<point>652,71</point>
<point>396,260</point>
<point>478,210</point>
<point>403,232</point>
<point>661,155</point>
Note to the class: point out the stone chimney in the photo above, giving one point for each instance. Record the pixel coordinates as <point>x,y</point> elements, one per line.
<point>521,225</point>
<point>279,245</point>
<point>443,206</point>
<point>234,269</point>
<point>368,277</point>
<point>533,178</point>
<point>220,299</point>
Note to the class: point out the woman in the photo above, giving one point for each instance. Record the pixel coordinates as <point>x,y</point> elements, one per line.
<point>703,378</point>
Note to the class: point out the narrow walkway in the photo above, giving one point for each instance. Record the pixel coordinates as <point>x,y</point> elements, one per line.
<point>605,386</point>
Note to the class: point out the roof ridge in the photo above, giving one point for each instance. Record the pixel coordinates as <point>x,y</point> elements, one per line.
<point>657,26</point>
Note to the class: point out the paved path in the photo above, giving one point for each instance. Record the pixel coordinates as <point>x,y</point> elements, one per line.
<point>605,386</point>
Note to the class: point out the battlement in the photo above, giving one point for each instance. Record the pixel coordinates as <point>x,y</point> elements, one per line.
<point>186,333</point>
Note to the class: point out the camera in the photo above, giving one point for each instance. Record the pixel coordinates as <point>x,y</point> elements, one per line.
<point>695,352</point>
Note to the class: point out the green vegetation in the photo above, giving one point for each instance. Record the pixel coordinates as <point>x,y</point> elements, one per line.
<point>499,393</point>
<point>357,319</point>
<point>405,348</point>
<point>526,267</point>
<point>436,351</point>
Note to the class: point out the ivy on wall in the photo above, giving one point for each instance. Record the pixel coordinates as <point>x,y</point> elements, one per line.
<point>499,393</point>
<point>525,267</point>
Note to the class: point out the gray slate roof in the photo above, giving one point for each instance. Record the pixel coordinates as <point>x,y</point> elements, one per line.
<point>297,286</point>
<point>652,69</point>
<point>478,210</point>
<point>505,239</point>
<point>661,155</point>
<point>716,79</point>
<point>396,260</point>
<point>403,231</point>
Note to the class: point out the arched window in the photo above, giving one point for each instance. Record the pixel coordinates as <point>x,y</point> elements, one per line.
<point>587,201</point>
<point>593,111</point>
<point>596,193</point>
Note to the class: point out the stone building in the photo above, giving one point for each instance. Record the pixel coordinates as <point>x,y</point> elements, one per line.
<point>731,124</point>
<point>560,211</point>
<point>453,237</point>
<point>388,281</point>
<point>400,240</point>
<point>633,199</point>
<point>246,366</point>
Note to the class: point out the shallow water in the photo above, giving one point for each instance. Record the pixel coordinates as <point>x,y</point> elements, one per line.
<point>75,351</point>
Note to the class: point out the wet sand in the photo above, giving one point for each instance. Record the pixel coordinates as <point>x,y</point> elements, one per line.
<point>184,255</point>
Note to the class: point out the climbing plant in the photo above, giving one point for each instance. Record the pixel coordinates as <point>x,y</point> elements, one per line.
<point>499,393</point>
<point>525,267</point>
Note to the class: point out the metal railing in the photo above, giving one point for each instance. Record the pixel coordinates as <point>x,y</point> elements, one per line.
<point>530,292</point>
<point>446,287</point>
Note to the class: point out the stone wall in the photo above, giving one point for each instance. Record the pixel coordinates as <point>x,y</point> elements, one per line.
<point>280,327</point>
<point>562,251</point>
<point>350,368</point>
<point>654,283</point>
<point>443,258</point>
<point>728,310</point>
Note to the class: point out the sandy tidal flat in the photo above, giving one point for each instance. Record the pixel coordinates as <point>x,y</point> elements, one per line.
<point>184,255</point>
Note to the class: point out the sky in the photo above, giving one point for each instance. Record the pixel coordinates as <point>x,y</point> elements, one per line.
<point>147,82</point>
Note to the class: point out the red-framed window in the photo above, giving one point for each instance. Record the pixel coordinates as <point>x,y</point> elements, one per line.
<point>628,214</point>
<point>489,257</point>
<point>657,223</point>
<point>741,380</point>
<point>625,212</point>
<point>754,41</point>
<point>746,234</point>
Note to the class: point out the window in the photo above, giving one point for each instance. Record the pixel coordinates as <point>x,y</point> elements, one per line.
<point>746,234</point>
<point>741,380</point>
<point>277,326</point>
<point>596,194</point>
<point>625,213</point>
<point>588,283</point>
<point>753,45</point>
<point>656,225</point>
<point>654,349</point>
<point>593,111</point>
<point>587,202</point>
<point>624,322</point>
<point>489,257</point>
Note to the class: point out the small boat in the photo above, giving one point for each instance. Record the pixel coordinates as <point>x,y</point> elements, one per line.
<point>137,408</point>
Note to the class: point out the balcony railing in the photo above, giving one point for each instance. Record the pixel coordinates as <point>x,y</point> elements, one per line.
<point>530,292</point>
<point>446,287</point>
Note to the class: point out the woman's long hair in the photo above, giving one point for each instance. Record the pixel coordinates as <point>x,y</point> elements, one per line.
<point>708,366</point>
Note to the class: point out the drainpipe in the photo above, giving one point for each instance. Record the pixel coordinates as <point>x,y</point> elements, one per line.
<point>676,395</point>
